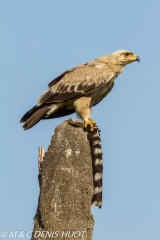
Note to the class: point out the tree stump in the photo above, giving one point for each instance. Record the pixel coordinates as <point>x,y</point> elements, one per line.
<point>66,187</point>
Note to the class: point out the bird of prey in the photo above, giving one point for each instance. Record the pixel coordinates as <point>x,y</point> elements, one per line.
<point>79,89</point>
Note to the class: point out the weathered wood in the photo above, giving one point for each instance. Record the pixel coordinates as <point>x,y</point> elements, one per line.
<point>41,153</point>
<point>66,187</point>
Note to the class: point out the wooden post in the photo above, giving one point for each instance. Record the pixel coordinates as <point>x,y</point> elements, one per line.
<point>66,187</point>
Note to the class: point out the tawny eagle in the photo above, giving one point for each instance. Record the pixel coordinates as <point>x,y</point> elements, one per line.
<point>79,89</point>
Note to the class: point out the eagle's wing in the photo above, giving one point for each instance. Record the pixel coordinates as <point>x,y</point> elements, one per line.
<point>77,82</point>
<point>57,79</point>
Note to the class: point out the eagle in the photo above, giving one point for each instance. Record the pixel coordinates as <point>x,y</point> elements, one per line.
<point>79,89</point>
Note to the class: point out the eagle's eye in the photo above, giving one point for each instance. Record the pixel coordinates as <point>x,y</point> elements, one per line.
<point>127,54</point>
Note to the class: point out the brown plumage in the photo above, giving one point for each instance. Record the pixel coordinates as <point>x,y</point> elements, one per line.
<point>79,89</point>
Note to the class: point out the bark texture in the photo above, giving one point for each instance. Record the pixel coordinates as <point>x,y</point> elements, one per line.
<point>66,187</point>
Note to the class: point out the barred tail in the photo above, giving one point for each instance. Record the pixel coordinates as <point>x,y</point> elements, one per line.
<point>97,165</point>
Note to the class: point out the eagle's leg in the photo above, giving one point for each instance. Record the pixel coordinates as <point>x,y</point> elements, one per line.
<point>91,123</point>
<point>83,108</point>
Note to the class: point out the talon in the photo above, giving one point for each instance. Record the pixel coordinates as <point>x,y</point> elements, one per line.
<point>91,124</point>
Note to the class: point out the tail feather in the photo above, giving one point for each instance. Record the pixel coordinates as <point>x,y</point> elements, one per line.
<point>47,111</point>
<point>29,114</point>
<point>33,117</point>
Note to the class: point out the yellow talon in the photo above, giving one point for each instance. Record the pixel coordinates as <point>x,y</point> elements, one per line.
<point>91,124</point>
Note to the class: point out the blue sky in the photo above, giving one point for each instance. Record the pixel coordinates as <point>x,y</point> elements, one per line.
<point>41,39</point>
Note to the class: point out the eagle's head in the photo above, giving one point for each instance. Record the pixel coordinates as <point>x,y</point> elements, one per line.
<point>124,57</point>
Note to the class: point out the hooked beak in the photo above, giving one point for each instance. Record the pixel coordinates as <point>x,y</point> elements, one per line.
<point>134,57</point>
<point>137,59</point>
